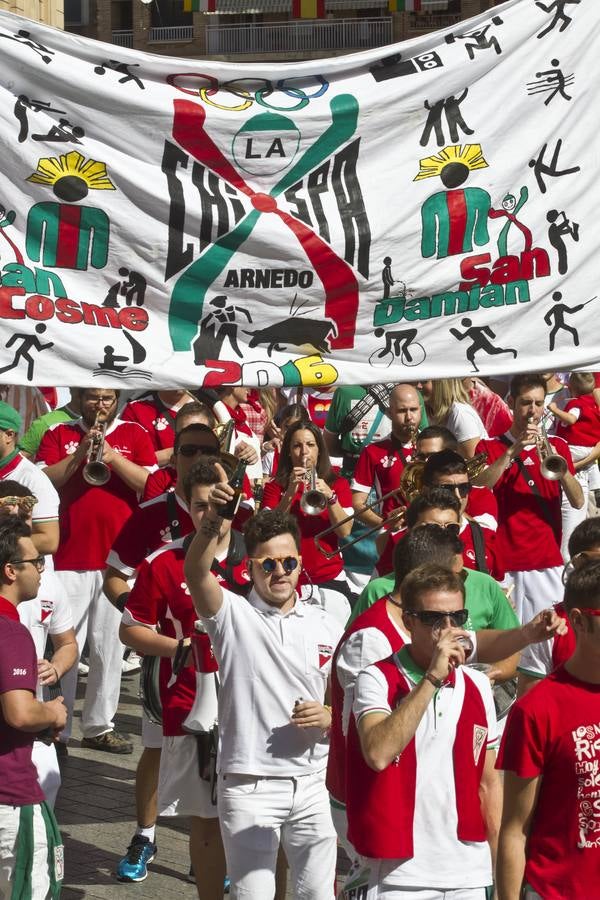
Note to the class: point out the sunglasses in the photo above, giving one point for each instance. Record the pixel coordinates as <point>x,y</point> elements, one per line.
<point>452,527</point>
<point>38,561</point>
<point>269,563</point>
<point>577,562</point>
<point>589,612</point>
<point>432,617</point>
<point>464,488</point>
<point>24,503</point>
<point>193,449</point>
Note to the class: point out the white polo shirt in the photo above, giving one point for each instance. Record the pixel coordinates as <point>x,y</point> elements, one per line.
<point>267,661</point>
<point>48,613</point>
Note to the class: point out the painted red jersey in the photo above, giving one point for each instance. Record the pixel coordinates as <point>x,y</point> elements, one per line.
<point>150,526</point>
<point>319,568</point>
<point>528,534</point>
<point>380,465</point>
<point>161,599</point>
<point>91,516</point>
<point>155,417</point>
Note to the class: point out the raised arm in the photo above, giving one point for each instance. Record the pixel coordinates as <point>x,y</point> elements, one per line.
<point>205,590</point>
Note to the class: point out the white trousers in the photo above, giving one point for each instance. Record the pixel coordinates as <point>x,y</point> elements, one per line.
<point>9,830</point>
<point>588,479</point>
<point>45,760</point>
<point>96,620</point>
<point>368,883</point>
<point>256,814</point>
<point>339,818</point>
<point>535,590</point>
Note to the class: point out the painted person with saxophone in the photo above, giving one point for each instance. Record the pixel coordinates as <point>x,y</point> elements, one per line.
<point>306,487</point>
<point>381,463</point>
<point>98,464</point>
<point>529,472</point>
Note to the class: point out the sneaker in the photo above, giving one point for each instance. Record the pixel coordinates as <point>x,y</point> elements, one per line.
<point>131,664</point>
<point>110,742</point>
<point>83,668</point>
<point>134,865</point>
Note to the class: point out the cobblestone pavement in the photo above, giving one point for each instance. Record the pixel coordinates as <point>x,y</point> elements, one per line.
<point>96,814</point>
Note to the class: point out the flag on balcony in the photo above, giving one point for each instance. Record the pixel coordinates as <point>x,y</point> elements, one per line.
<point>404,5</point>
<point>308,9</point>
<point>199,5</point>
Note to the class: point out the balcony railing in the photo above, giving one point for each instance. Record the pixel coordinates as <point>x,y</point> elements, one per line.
<point>171,34</point>
<point>123,38</point>
<point>299,37</point>
<point>432,22</point>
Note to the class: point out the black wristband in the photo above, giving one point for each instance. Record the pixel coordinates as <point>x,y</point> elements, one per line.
<point>121,601</point>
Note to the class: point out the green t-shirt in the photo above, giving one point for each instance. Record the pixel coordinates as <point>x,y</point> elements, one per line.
<point>485,600</point>
<point>32,438</point>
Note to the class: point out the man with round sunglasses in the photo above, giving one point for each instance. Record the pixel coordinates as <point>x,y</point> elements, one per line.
<point>550,837</point>
<point>423,796</point>
<point>539,660</point>
<point>274,654</point>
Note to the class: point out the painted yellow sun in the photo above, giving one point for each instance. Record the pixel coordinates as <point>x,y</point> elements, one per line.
<point>51,169</point>
<point>470,155</point>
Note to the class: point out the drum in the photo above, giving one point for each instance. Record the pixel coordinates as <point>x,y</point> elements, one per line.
<point>149,689</point>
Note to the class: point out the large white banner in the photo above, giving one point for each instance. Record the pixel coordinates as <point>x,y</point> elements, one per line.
<point>423,210</point>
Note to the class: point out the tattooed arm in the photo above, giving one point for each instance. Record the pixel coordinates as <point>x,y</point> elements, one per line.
<point>205,589</point>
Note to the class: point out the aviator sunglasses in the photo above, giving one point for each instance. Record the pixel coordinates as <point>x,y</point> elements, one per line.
<point>433,617</point>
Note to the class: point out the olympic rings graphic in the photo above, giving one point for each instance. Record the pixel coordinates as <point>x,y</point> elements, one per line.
<point>248,90</point>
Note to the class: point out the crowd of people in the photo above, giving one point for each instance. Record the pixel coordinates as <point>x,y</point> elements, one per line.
<point>366,617</point>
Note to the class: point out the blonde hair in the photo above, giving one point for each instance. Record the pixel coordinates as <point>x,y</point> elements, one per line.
<point>582,382</point>
<point>445,392</point>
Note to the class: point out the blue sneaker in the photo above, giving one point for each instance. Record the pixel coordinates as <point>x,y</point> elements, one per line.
<point>134,866</point>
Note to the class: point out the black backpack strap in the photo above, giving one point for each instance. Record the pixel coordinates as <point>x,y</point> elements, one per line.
<point>479,546</point>
<point>235,555</point>
<point>173,520</point>
<point>541,501</point>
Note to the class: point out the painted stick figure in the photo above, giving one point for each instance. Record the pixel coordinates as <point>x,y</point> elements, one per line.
<point>556,315</point>
<point>561,227</point>
<point>480,335</point>
<point>29,342</point>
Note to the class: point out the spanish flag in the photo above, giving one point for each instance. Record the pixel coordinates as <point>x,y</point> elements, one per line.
<point>308,9</point>
<point>199,5</point>
<point>404,5</point>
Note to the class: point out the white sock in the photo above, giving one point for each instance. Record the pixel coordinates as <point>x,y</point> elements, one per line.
<point>147,832</point>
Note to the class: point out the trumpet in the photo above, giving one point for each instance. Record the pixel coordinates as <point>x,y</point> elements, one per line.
<point>96,472</point>
<point>552,466</point>
<point>312,502</point>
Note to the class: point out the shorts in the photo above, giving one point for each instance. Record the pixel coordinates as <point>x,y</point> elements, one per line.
<point>181,791</point>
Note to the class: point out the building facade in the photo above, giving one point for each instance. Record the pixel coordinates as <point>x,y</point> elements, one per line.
<point>250,30</point>
<point>50,12</point>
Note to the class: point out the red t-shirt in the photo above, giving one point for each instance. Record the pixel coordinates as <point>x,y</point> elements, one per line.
<point>150,525</point>
<point>160,598</point>
<point>19,784</point>
<point>315,564</point>
<point>90,517</point>
<point>158,482</point>
<point>586,430</point>
<point>525,539</point>
<point>554,731</point>
<point>380,464</point>
<point>483,507</point>
<point>385,564</point>
<point>155,417</point>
